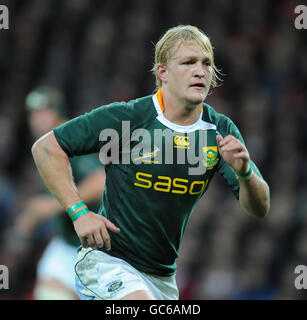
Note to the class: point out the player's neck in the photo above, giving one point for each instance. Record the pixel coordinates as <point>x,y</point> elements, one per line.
<point>178,112</point>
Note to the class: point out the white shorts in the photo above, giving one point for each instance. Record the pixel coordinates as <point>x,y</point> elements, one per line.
<point>58,262</point>
<point>100,276</point>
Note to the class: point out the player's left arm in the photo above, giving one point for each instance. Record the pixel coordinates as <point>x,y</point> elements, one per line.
<point>254,194</point>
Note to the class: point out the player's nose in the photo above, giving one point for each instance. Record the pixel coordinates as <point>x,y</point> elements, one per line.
<point>199,70</point>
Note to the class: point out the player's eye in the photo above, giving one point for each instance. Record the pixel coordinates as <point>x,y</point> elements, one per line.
<point>188,62</point>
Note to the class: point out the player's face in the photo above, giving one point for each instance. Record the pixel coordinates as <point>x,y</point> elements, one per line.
<point>189,74</point>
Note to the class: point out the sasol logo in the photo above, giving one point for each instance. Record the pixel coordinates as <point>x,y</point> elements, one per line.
<point>301,280</point>
<point>167,184</point>
<point>301,20</point>
<point>4,277</point>
<point>181,142</point>
<point>4,17</point>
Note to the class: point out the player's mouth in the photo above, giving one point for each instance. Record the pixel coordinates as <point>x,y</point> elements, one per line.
<point>198,85</point>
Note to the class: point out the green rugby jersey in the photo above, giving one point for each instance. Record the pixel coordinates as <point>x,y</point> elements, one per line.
<point>151,200</point>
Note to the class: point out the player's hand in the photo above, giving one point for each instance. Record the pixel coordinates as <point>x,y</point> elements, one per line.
<point>234,153</point>
<point>92,230</point>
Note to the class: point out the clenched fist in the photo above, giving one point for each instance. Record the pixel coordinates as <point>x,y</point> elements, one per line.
<point>234,153</point>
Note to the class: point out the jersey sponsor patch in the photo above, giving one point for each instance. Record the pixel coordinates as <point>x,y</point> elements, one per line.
<point>181,142</point>
<point>148,157</point>
<point>114,285</point>
<point>210,157</point>
<point>170,184</point>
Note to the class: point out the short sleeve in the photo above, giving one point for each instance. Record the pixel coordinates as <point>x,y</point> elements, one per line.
<point>227,127</point>
<point>80,135</point>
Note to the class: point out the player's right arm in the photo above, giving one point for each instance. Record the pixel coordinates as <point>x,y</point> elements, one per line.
<point>54,168</point>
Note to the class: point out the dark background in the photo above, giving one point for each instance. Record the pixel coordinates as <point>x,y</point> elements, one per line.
<point>102,51</point>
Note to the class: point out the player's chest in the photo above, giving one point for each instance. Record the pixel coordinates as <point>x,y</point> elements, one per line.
<point>160,151</point>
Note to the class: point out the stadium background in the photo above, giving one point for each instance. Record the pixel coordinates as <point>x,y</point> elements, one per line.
<point>102,51</point>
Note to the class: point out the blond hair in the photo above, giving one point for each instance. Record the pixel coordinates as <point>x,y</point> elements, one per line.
<point>175,37</point>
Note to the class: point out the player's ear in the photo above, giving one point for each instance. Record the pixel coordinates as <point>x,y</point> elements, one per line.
<point>162,72</point>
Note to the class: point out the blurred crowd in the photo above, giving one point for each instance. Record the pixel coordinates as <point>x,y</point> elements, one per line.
<point>97,52</point>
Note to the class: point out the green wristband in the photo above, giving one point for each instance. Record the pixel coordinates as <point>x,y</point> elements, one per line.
<point>246,175</point>
<point>74,207</point>
<point>79,214</point>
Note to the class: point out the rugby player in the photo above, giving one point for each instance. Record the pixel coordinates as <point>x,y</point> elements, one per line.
<point>129,248</point>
